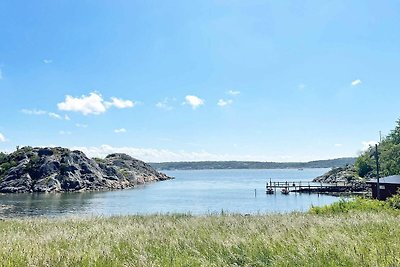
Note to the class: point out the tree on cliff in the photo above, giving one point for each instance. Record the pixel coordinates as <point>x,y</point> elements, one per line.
<point>389,155</point>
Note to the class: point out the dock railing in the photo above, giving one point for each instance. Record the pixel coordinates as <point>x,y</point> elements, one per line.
<point>307,186</point>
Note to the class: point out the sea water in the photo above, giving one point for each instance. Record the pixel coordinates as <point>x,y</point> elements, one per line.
<point>197,192</point>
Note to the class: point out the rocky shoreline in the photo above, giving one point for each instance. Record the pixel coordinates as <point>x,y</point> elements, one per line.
<point>59,169</point>
<point>345,175</point>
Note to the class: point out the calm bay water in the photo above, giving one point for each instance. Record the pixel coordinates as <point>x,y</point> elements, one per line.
<point>196,192</point>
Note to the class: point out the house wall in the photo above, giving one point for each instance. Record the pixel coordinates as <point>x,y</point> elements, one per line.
<point>388,191</point>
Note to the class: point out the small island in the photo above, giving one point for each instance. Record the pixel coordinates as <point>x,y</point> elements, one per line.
<point>59,169</point>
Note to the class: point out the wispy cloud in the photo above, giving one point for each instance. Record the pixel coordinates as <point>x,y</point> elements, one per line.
<point>55,116</point>
<point>356,82</point>
<point>301,87</point>
<point>38,112</point>
<point>2,138</point>
<point>47,61</point>
<point>233,92</point>
<point>1,74</point>
<point>224,103</point>
<point>92,104</point>
<point>65,132</point>
<point>164,104</point>
<point>33,111</point>
<point>80,125</point>
<point>120,130</point>
<point>193,101</point>
<point>338,145</point>
<point>119,103</point>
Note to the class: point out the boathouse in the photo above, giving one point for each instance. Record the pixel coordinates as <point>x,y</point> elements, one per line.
<point>389,186</point>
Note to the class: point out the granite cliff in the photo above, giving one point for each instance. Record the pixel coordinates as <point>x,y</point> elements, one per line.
<point>59,170</point>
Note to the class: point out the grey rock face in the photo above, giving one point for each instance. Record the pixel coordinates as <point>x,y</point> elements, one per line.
<point>341,174</point>
<point>346,174</point>
<point>59,169</point>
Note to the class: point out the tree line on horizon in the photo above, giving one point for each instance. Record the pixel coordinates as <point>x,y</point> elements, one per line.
<point>202,165</point>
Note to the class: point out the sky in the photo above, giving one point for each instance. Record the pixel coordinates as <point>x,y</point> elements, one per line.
<point>199,80</point>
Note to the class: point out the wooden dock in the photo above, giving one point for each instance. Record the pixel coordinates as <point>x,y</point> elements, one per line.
<point>308,187</point>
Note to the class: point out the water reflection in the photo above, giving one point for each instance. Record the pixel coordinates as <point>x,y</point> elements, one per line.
<point>49,204</point>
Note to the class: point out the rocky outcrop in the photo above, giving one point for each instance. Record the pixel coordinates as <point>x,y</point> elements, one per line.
<point>348,175</point>
<point>60,169</point>
<point>341,174</point>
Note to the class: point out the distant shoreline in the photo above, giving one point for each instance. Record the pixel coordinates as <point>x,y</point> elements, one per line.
<point>220,165</point>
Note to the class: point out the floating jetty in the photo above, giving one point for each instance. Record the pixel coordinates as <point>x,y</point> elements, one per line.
<point>307,187</point>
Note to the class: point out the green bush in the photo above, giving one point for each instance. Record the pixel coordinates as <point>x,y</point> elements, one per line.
<point>3,157</point>
<point>394,201</point>
<point>364,164</point>
<point>6,166</point>
<point>356,204</point>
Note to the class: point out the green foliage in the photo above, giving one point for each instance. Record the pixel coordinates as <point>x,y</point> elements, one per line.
<point>123,172</point>
<point>3,157</point>
<point>394,201</point>
<point>360,205</point>
<point>34,159</point>
<point>99,160</point>
<point>389,156</point>
<point>364,164</point>
<point>352,205</point>
<point>4,167</point>
<point>394,136</point>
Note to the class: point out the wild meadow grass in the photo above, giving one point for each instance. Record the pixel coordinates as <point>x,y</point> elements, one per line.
<point>367,238</point>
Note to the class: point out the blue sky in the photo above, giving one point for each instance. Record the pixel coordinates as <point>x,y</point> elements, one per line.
<point>199,80</point>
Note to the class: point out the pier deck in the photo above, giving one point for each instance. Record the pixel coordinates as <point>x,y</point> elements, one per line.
<point>309,187</point>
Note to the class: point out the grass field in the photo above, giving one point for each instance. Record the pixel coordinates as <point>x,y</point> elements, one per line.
<point>367,238</point>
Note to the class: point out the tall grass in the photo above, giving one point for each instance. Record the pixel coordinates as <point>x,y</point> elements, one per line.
<point>347,239</point>
<point>359,204</point>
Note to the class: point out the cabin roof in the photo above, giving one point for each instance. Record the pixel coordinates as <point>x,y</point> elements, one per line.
<point>394,179</point>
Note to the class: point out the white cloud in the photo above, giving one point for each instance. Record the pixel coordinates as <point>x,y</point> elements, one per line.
<point>120,103</point>
<point>47,61</point>
<point>368,144</point>
<point>121,130</point>
<point>2,138</point>
<point>356,82</point>
<point>161,155</point>
<point>54,115</point>
<point>79,125</point>
<point>233,92</point>
<point>224,103</point>
<point>164,104</point>
<point>92,104</point>
<point>165,155</point>
<point>193,101</point>
<point>67,118</point>
<point>338,145</point>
